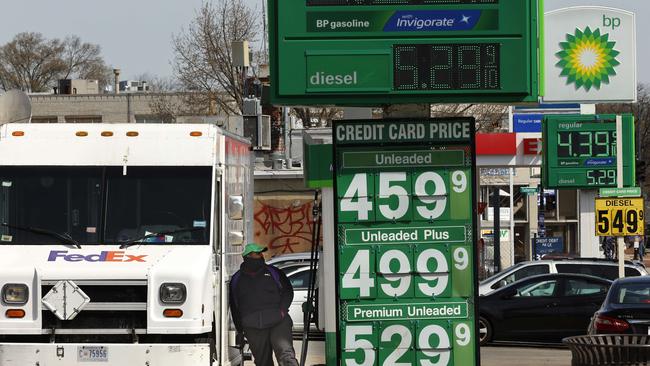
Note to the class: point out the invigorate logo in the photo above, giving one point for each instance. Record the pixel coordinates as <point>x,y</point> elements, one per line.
<point>104,256</point>
<point>432,20</point>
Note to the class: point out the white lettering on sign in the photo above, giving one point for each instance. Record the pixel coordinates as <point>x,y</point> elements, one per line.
<point>350,24</point>
<point>393,159</point>
<point>449,130</point>
<point>378,313</point>
<point>405,311</point>
<point>322,78</point>
<point>372,132</point>
<point>406,131</point>
<point>403,236</point>
<point>360,132</point>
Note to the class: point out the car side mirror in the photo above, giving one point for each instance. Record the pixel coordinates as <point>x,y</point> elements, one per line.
<point>503,283</point>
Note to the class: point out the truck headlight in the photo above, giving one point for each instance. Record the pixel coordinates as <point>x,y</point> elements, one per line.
<point>15,294</point>
<point>173,293</point>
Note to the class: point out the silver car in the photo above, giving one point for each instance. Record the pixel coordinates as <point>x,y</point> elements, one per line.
<point>603,268</point>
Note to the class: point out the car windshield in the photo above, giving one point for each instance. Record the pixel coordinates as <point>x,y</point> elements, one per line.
<point>632,293</point>
<point>103,205</point>
<point>500,274</point>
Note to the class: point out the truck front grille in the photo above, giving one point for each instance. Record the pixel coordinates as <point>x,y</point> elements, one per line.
<point>114,305</point>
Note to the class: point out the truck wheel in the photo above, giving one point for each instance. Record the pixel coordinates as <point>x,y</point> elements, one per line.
<point>485,331</point>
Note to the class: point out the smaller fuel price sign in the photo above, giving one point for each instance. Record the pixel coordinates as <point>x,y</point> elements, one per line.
<point>580,151</point>
<point>619,216</point>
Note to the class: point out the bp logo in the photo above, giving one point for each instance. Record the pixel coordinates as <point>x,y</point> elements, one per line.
<point>587,59</point>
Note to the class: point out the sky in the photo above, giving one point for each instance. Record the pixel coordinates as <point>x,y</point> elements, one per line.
<point>135,35</point>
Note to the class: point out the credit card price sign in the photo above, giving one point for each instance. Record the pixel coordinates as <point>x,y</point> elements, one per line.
<point>580,151</point>
<point>405,233</point>
<point>403,51</point>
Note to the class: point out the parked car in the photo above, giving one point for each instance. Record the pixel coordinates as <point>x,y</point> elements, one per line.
<point>300,278</point>
<point>543,308</point>
<point>291,258</point>
<point>626,308</point>
<point>604,268</point>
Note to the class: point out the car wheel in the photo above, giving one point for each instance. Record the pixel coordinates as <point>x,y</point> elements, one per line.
<point>484,331</point>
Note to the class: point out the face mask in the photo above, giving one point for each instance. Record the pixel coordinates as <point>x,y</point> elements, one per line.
<point>253,264</point>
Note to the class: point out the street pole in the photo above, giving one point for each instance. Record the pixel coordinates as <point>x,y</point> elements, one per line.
<point>496,208</point>
<point>619,182</point>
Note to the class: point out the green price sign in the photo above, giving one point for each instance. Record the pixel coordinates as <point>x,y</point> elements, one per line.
<point>580,151</point>
<point>405,242</point>
<point>403,51</point>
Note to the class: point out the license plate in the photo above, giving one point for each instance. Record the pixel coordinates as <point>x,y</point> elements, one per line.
<point>92,354</point>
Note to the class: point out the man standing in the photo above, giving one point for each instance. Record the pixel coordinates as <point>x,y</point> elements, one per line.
<point>260,296</point>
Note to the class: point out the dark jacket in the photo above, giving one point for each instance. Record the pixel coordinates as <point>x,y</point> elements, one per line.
<point>257,300</point>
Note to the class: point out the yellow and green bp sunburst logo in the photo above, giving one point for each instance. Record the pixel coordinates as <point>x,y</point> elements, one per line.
<point>587,59</point>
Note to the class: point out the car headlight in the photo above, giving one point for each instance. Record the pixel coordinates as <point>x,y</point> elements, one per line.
<point>173,293</point>
<point>15,294</point>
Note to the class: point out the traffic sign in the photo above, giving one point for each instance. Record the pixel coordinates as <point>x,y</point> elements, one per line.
<point>580,151</point>
<point>619,216</point>
<point>351,52</point>
<point>405,241</point>
<point>529,190</point>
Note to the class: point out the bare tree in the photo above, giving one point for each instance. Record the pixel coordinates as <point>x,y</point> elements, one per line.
<point>203,54</point>
<point>323,116</point>
<point>30,62</point>
<point>489,117</point>
<point>641,112</point>
<point>158,84</point>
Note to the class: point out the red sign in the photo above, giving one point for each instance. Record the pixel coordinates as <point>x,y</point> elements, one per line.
<point>496,144</point>
<point>532,146</point>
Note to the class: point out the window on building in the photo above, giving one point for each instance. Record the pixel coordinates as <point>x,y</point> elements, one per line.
<point>83,119</point>
<point>549,199</point>
<point>568,204</point>
<point>147,118</point>
<point>520,205</point>
<point>45,119</point>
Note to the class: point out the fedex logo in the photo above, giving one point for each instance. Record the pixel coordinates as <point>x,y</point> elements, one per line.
<point>104,256</point>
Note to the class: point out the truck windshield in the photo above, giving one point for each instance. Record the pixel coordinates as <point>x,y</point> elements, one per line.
<point>101,205</point>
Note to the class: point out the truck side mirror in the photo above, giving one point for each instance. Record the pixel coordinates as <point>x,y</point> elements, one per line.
<point>235,207</point>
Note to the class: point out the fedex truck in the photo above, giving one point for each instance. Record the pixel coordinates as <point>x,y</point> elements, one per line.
<point>117,242</point>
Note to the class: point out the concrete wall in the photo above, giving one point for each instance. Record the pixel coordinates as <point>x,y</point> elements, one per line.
<point>113,108</point>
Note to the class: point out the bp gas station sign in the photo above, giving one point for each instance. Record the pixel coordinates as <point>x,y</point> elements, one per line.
<point>403,51</point>
<point>405,231</point>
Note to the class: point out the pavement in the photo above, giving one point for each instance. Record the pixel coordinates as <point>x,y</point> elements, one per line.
<point>524,356</point>
<point>490,355</point>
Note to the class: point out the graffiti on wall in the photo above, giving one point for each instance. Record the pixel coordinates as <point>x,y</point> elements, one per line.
<point>284,223</point>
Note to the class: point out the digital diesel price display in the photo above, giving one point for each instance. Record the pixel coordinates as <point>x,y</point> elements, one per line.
<point>371,52</point>
<point>580,151</point>
<point>446,67</point>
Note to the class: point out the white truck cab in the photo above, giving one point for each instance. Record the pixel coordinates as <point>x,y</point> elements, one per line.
<point>117,242</point>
